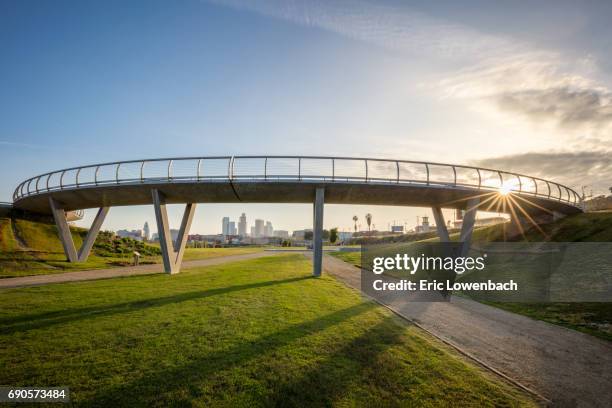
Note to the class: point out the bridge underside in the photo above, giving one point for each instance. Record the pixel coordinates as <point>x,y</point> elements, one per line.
<point>58,202</point>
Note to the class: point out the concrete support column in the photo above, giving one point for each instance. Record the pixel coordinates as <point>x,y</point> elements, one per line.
<point>467,228</point>
<point>172,252</point>
<point>63,229</point>
<point>440,224</point>
<point>317,232</point>
<point>59,215</point>
<point>92,234</point>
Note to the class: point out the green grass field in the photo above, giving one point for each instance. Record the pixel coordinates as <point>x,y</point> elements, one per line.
<point>33,248</point>
<point>256,333</point>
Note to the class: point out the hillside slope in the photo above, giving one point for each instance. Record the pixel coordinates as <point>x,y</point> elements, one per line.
<point>32,247</point>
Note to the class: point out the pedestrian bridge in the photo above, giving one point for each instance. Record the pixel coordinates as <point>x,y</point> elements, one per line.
<point>284,179</point>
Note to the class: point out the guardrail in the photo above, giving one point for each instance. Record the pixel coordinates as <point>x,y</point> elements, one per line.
<point>294,168</point>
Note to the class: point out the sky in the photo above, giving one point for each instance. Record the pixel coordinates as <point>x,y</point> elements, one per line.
<point>519,86</point>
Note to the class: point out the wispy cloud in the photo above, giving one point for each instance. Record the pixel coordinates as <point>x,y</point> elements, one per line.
<point>514,75</point>
<point>572,108</point>
<point>390,26</point>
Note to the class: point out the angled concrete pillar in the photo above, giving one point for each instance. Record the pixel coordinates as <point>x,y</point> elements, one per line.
<point>317,232</point>
<point>440,224</point>
<point>172,253</point>
<point>467,228</point>
<point>59,215</point>
<point>92,234</point>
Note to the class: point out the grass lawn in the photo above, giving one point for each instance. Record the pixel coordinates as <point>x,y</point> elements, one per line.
<point>354,258</point>
<point>253,333</point>
<point>24,263</point>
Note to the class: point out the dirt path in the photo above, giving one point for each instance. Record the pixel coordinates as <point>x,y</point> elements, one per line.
<point>37,280</point>
<point>569,368</point>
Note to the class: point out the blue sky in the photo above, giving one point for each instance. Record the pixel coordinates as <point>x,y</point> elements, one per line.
<point>519,87</point>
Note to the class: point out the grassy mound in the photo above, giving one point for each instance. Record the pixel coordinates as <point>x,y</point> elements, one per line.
<point>256,333</point>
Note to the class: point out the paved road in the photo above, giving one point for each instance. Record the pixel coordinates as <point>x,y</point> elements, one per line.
<point>567,367</point>
<point>117,272</point>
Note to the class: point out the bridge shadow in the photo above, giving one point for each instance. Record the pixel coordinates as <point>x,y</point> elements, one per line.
<point>42,320</point>
<point>187,377</point>
<point>354,364</point>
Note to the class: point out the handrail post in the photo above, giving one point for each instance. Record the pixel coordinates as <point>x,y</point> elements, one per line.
<point>479,178</point>
<point>77,176</point>
<point>117,173</point>
<point>333,169</point>
<point>37,180</point>
<point>266,168</point>
<point>455,176</point>
<point>520,183</point>
<point>501,179</point>
<point>299,169</point>
<point>142,171</point>
<point>559,188</point>
<point>199,166</point>
<point>535,184</point>
<point>62,180</point>
<point>170,170</point>
<point>427,169</point>
<point>366,167</point>
<point>549,190</point>
<point>96,175</point>
<point>397,170</point>
<point>230,168</point>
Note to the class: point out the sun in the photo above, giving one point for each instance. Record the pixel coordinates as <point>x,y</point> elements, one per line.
<point>505,189</point>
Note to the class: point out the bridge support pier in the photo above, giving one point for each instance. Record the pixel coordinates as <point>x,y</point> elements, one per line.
<point>172,252</point>
<point>467,228</point>
<point>317,232</point>
<point>440,224</point>
<point>59,215</point>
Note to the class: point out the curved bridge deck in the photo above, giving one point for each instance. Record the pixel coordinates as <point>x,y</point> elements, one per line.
<point>284,179</point>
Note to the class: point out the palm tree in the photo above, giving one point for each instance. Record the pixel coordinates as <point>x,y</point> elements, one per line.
<point>369,220</point>
<point>355,219</point>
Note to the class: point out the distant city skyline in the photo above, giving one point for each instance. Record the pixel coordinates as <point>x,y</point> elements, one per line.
<point>268,227</point>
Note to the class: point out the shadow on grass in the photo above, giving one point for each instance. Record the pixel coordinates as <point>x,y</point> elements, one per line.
<point>185,380</point>
<point>37,321</point>
<point>355,363</point>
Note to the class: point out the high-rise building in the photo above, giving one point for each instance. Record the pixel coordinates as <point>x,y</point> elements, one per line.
<point>268,229</point>
<point>259,228</point>
<point>232,228</point>
<point>147,231</point>
<point>225,226</point>
<point>242,225</point>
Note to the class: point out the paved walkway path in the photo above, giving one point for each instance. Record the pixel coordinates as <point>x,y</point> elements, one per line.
<point>37,280</point>
<point>565,366</point>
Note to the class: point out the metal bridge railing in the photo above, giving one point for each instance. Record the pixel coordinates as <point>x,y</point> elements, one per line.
<point>294,168</point>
